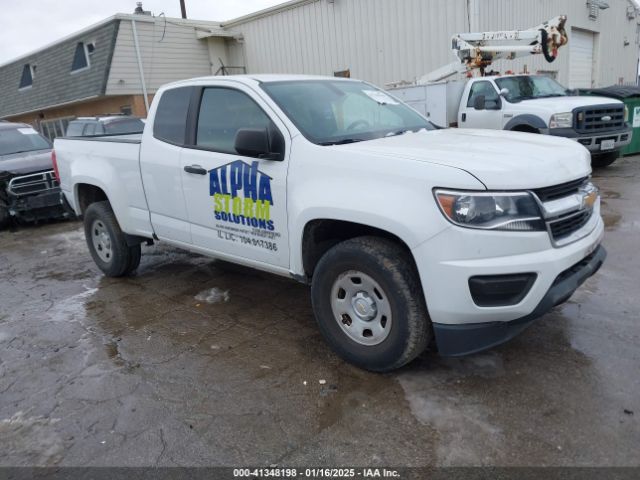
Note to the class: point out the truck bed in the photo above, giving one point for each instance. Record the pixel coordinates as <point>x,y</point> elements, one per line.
<point>112,164</point>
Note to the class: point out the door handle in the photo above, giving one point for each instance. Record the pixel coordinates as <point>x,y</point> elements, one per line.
<point>196,169</point>
<point>464,117</point>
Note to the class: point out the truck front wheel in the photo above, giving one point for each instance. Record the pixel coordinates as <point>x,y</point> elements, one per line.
<point>107,243</point>
<point>369,304</point>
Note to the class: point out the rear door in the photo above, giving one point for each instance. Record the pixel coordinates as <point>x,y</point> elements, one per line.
<point>491,116</point>
<point>161,169</point>
<point>236,204</point>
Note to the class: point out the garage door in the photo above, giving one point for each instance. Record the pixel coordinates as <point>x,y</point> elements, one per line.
<point>581,59</point>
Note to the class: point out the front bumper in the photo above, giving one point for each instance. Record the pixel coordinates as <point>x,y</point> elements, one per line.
<point>35,196</point>
<point>447,261</point>
<point>593,141</point>
<point>458,340</point>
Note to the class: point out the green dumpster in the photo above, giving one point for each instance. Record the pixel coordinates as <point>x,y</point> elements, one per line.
<point>630,95</point>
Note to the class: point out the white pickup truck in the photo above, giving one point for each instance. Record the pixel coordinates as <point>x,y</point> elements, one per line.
<point>525,103</point>
<point>408,234</point>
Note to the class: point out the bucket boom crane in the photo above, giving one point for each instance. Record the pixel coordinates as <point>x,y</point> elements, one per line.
<point>480,50</point>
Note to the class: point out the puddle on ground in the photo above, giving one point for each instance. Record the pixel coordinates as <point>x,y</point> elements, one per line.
<point>611,220</point>
<point>32,438</point>
<point>612,195</point>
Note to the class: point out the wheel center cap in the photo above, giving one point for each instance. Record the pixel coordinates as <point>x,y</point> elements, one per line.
<point>364,306</point>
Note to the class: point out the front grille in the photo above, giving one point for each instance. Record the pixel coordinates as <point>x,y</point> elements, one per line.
<point>33,183</point>
<point>565,226</point>
<point>599,119</point>
<point>547,194</point>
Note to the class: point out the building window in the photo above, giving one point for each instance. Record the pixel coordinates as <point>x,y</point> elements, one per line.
<point>26,80</point>
<point>80,58</point>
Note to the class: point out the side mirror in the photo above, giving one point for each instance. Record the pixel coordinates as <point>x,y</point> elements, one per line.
<point>254,142</point>
<point>479,102</point>
<point>504,92</point>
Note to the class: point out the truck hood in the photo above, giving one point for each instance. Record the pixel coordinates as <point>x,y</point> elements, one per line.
<point>26,162</point>
<point>565,104</point>
<point>501,160</point>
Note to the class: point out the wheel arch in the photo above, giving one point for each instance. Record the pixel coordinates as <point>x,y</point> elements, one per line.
<point>526,123</point>
<point>87,193</point>
<point>321,234</point>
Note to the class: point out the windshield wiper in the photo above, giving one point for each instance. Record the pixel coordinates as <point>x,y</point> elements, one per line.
<point>398,132</point>
<point>344,141</point>
<point>19,151</point>
<point>403,131</point>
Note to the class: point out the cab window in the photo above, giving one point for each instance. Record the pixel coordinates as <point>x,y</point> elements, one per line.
<point>491,97</point>
<point>224,111</point>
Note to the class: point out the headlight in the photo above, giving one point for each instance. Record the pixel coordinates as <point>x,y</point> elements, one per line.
<point>626,113</point>
<point>561,120</point>
<point>491,211</point>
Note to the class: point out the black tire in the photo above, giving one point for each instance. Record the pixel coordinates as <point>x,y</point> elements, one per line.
<point>5,218</point>
<point>604,160</point>
<point>392,267</point>
<point>525,129</point>
<point>123,259</point>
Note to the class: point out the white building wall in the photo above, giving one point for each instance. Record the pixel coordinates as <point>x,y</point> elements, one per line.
<point>388,40</point>
<point>612,59</point>
<point>170,51</point>
<point>378,40</point>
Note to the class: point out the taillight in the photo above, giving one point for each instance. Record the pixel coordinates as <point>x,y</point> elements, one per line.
<point>54,161</point>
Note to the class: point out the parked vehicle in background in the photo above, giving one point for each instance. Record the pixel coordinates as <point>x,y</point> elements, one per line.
<point>521,103</point>
<point>29,190</point>
<point>406,233</point>
<point>104,125</point>
<point>526,103</point>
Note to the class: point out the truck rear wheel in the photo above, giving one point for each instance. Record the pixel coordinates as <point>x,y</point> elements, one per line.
<point>107,243</point>
<point>604,160</point>
<point>369,304</point>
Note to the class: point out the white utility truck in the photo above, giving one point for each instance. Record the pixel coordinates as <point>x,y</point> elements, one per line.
<point>407,233</point>
<point>523,103</point>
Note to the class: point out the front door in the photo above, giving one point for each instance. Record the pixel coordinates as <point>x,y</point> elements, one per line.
<point>489,117</point>
<point>236,204</point>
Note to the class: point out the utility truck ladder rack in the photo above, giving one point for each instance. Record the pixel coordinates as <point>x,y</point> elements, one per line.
<point>480,50</point>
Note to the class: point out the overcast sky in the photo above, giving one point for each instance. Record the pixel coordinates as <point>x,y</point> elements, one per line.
<point>26,25</point>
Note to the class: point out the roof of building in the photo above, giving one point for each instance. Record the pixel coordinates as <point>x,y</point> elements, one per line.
<point>265,12</point>
<point>209,28</point>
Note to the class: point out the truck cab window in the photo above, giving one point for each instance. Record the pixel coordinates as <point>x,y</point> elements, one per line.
<point>170,120</point>
<point>224,111</point>
<point>491,97</point>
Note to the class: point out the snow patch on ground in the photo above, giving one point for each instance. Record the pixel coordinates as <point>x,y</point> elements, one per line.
<point>213,295</point>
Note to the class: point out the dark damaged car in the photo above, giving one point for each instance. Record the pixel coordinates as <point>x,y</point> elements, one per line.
<point>29,191</point>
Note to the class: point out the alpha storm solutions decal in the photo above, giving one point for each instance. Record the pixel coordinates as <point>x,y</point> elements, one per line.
<point>242,195</point>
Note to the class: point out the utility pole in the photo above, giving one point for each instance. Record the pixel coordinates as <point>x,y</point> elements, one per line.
<point>183,9</point>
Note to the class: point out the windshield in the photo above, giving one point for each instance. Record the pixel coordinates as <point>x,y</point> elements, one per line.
<point>22,139</point>
<point>530,87</point>
<point>331,112</point>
